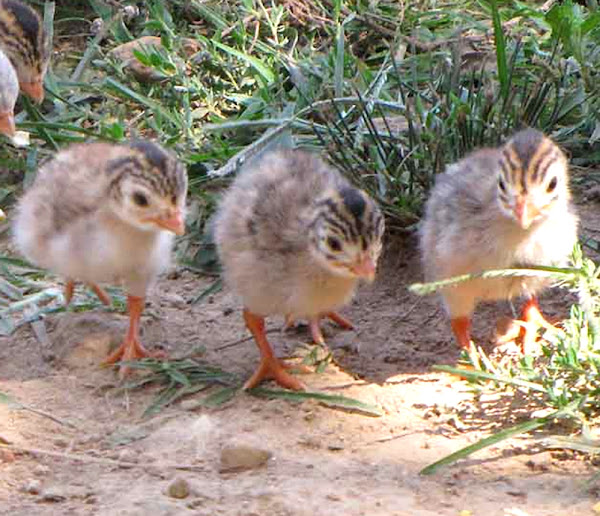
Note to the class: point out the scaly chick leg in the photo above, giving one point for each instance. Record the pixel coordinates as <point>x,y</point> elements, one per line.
<point>96,289</point>
<point>533,320</point>
<point>270,366</point>
<point>315,327</point>
<point>69,289</point>
<point>461,327</point>
<point>131,348</point>
<point>100,294</point>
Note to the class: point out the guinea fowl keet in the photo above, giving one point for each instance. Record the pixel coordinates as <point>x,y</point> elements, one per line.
<point>102,212</point>
<point>495,209</point>
<point>294,237</point>
<point>23,40</point>
<point>9,91</point>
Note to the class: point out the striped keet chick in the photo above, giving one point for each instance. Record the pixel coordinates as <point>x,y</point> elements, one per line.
<point>294,237</point>
<point>23,40</point>
<point>9,91</point>
<point>494,209</point>
<point>102,212</point>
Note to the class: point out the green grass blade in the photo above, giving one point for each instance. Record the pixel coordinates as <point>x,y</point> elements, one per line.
<point>141,99</point>
<point>542,271</point>
<point>513,431</point>
<point>482,375</point>
<point>500,43</point>
<point>263,70</point>
<point>334,401</point>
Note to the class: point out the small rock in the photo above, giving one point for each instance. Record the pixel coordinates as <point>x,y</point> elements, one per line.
<point>174,300</point>
<point>127,456</point>
<point>7,456</point>
<point>241,458</point>
<point>40,470</point>
<point>52,496</point>
<point>179,489</point>
<point>125,54</point>
<point>32,486</point>
<point>61,442</point>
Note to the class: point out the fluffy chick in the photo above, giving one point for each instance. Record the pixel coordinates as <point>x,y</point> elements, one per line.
<point>494,209</point>
<point>101,212</point>
<point>294,238</point>
<point>9,91</point>
<point>23,40</point>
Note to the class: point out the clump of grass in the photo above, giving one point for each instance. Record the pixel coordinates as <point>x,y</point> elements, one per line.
<point>28,294</point>
<point>562,380</point>
<point>190,376</point>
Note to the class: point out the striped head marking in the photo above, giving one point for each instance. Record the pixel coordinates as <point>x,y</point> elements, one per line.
<point>532,177</point>
<point>148,187</point>
<point>23,40</point>
<point>346,233</point>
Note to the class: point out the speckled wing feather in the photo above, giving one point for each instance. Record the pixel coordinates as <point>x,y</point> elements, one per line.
<point>268,205</point>
<point>68,188</point>
<point>262,234</point>
<point>461,210</point>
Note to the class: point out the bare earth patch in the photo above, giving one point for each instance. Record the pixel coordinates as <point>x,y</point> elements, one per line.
<point>102,458</point>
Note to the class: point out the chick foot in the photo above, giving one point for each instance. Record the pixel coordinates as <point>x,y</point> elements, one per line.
<point>315,327</point>
<point>461,327</point>
<point>270,366</point>
<point>532,321</point>
<point>96,289</point>
<point>131,348</point>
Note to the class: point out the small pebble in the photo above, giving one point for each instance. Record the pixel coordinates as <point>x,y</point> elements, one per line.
<point>53,497</point>
<point>61,442</point>
<point>32,486</point>
<point>40,470</point>
<point>241,458</point>
<point>127,456</point>
<point>7,456</point>
<point>179,488</point>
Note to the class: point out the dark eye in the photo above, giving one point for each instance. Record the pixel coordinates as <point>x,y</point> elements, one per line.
<point>501,185</point>
<point>552,184</point>
<point>334,244</point>
<point>140,199</point>
<point>174,199</point>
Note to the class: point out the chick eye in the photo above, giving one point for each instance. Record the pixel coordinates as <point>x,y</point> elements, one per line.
<point>501,184</point>
<point>140,199</point>
<point>552,185</point>
<point>334,244</point>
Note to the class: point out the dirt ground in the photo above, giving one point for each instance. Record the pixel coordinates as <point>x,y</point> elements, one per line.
<point>102,458</point>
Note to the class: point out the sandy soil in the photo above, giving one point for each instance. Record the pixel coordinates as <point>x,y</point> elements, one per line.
<point>103,458</point>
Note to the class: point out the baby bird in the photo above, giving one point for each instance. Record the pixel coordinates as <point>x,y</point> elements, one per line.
<point>9,91</point>
<point>102,212</point>
<point>22,38</point>
<point>294,237</point>
<point>494,209</point>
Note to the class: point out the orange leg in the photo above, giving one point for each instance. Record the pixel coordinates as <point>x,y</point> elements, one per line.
<point>315,328</point>
<point>270,366</point>
<point>96,289</point>
<point>461,327</point>
<point>69,289</point>
<point>101,294</point>
<point>131,348</point>
<point>533,320</point>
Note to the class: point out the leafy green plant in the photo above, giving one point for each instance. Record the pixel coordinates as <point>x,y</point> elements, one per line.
<point>562,380</point>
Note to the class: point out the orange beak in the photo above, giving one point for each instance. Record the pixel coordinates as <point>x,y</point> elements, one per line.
<point>7,123</point>
<point>364,268</point>
<point>523,213</point>
<point>33,89</point>
<point>173,222</point>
